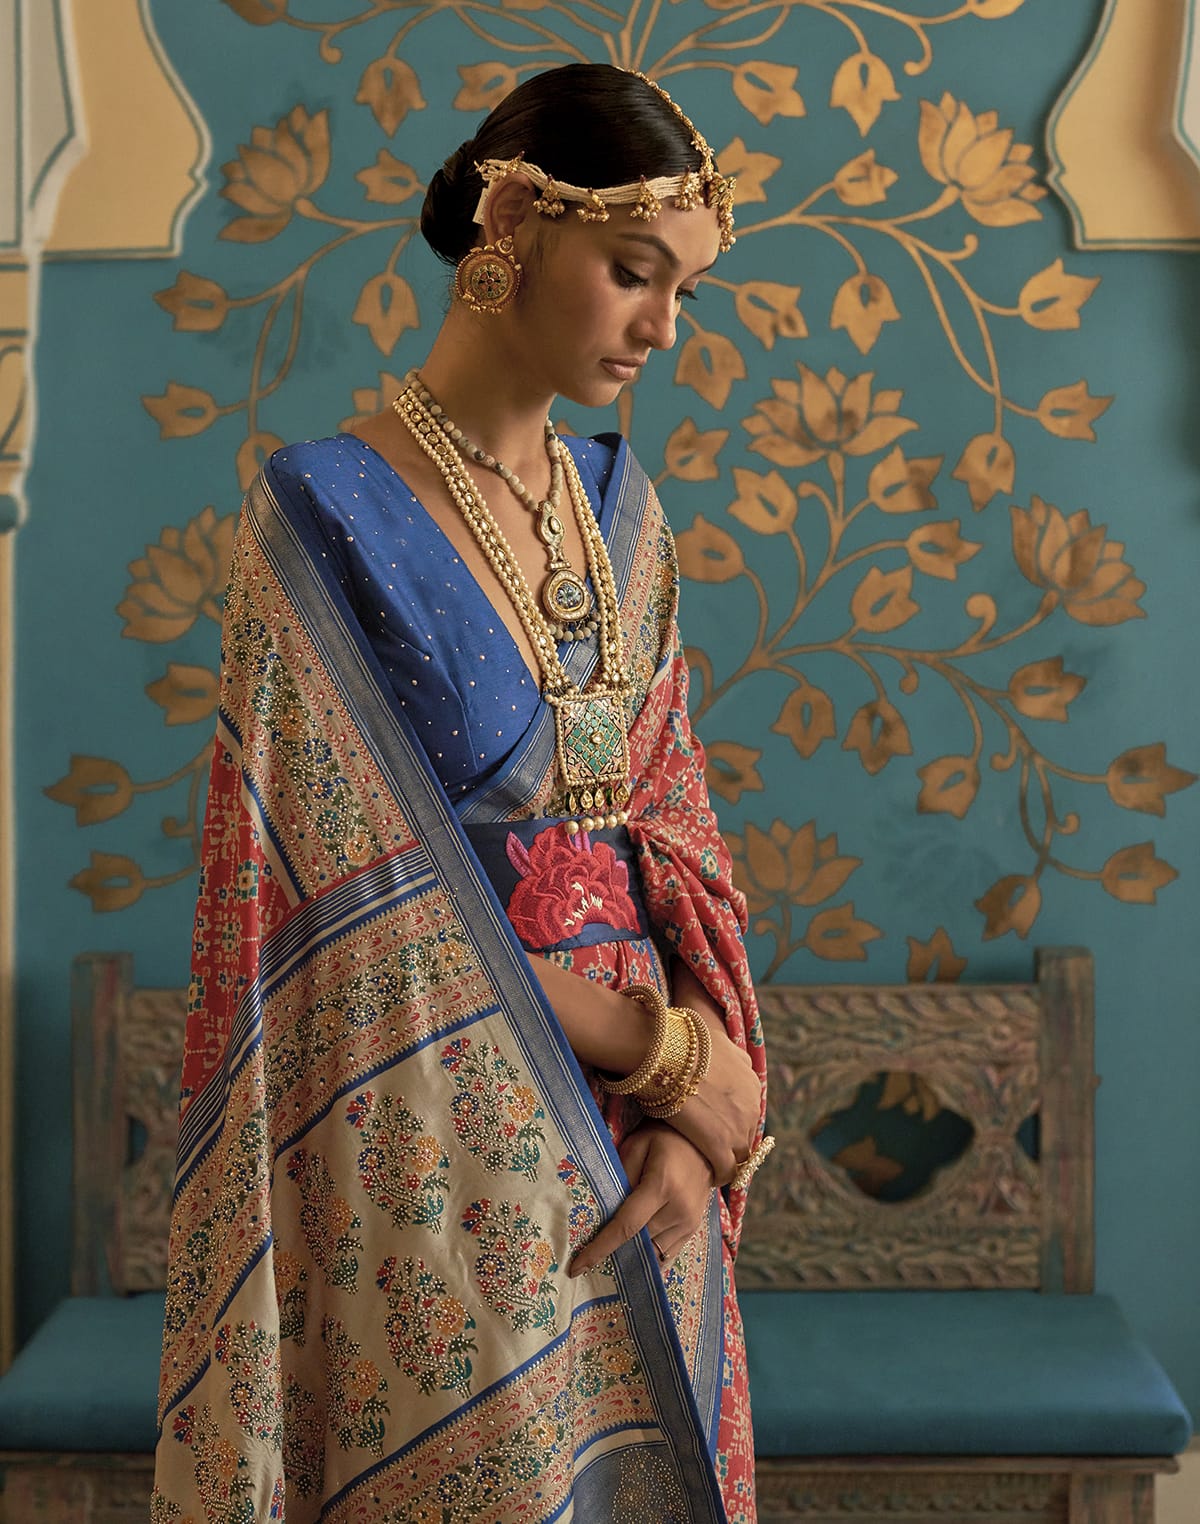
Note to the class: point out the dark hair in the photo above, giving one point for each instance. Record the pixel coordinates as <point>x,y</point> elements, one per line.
<point>586,124</point>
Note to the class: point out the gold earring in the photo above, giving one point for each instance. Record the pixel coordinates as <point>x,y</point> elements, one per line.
<point>487,279</point>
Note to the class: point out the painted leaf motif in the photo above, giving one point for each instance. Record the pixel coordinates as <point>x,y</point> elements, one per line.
<point>259,12</point>
<point>767,90</point>
<point>948,786</point>
<point>691,455</point>
<point>388,181</point>
<point>187,693</point>
<point>881,601</point>
<point>710,363</point>
<point>1135,875</point>
<point>95,788</point>
<point>839,936</point>
<point>111,881</point>
<point>484,85</point>
<point>871,1170</point>
<point>1042,690</point>
<point>816,871</point>
<point>1140,778</point>
<point>912,1091</point>
<point>993,10</point>
<point>732,769</point>
<point>386,307</point>
<point>197,305</point>
<point>1051,299</point>
<point>368,400</point>
<point>253,453</point>
<point>708,553</point>
<point>765,504</point>
<point>752,170</point>
<point>1070,411</point>
<point>1011,904</point>
<point>862,181</point>
<point>390,87</point>
<point>181,411</point>
<point>807,718</point>
<point>862,305</point>
<point>878,733</point>
<point>898,484</point>
<point>939,550</point>
<point>934,960</point>
<point>987,465</point>
<point>861,85</point>
<point>770,311</point>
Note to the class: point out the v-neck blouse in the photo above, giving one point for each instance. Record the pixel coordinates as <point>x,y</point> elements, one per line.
<point>452,663</point>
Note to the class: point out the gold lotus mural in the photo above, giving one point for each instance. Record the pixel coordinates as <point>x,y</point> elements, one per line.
<point>870,571</point>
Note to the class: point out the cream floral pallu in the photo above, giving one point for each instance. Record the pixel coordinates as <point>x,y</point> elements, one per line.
<point>387,1152</point>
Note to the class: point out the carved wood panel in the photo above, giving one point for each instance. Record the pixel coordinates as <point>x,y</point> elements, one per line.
<point>978,1223</point>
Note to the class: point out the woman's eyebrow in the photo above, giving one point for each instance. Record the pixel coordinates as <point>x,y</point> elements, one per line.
<point>663,248</point>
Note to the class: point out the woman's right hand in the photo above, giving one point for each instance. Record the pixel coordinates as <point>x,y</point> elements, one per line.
<point>722,1118</point>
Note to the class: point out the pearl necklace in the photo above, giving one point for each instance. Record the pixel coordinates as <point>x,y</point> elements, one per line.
<point>591,736</point>
<point>565,596</point>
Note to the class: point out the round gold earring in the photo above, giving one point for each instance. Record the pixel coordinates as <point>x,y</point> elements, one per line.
<point>488,279</point>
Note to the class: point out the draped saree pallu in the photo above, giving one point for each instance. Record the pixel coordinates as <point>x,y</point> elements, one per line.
<point>388,1153</point>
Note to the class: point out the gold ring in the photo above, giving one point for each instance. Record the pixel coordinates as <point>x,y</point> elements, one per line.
<point>746,1169</point>
<point>658,1249</point>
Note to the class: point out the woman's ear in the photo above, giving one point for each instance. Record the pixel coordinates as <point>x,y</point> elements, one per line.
<point>508,204</point>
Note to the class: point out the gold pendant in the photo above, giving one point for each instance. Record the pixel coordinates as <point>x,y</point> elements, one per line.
<point>591,742</point>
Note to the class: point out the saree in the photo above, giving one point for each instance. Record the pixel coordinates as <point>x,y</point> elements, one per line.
<point>388,1153</point>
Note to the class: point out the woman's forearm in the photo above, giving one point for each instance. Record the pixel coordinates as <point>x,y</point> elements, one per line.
<point>605,1029</point>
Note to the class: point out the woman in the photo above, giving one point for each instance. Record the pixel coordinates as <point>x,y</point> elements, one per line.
<point>472,1043</point>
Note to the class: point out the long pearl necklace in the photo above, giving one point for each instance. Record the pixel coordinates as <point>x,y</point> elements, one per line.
<point>591,739</point>
<point>565,596</point>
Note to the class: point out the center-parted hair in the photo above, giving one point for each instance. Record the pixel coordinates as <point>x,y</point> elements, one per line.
<point>587,124</point>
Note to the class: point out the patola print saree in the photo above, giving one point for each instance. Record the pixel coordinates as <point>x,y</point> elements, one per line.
<point>388,1154</point>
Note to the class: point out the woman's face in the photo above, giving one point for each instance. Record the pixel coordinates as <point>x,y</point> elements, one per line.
<point>597,298</point>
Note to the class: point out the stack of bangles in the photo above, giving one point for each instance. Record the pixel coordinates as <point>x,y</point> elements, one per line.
<point>672,1071</point>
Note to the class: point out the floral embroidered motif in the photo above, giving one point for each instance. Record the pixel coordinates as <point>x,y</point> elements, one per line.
<point>495,1116</point>
<point>584,1218</point>
<point>427,1331</point>
<point>303,1440</point>
<point>648,1488</point>
<point>400,1163</point>
<point>291,1295</point>
<point>354,1391</point>
<point>327,1220</point>
<point>514,1263</point>
<point>250,1355</point>
<point>565,885</point>
<point>222,1474</point>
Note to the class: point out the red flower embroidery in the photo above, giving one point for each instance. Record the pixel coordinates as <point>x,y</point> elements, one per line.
<point>567,884</point>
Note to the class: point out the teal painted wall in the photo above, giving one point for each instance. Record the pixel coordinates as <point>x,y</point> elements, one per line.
<point>104,486</point>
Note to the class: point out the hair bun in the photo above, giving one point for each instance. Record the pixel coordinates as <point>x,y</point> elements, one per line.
<point>447,215</point>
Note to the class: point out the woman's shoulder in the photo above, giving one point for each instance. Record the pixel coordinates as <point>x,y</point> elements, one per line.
<point>312,465</point>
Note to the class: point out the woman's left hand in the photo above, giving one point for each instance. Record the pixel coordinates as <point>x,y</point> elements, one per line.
<point>670,1184</point>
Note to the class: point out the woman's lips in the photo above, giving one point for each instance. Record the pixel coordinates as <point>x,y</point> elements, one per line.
<point>623,370</point>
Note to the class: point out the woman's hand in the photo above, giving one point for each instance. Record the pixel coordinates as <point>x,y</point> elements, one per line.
<point>722,1118</point>
<point>670,1181</point>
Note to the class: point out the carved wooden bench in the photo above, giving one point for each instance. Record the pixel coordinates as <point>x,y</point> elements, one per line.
<point>883,1337</point>
<point>77,1406</point>
<point>943,1357</point>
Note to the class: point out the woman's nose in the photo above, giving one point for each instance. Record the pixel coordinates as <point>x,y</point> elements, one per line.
<point>656,323</point>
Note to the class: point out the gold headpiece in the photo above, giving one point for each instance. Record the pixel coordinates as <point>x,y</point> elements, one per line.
<point>705,186</point>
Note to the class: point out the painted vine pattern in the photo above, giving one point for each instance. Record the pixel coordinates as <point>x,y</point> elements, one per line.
<point>819,436</point>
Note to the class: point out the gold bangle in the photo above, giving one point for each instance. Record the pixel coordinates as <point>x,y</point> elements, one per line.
<point>747,1168</point>
<point>648,997</point>
<point>688,1080</point>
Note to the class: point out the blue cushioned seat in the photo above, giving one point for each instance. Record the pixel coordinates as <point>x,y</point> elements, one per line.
<point>88,1379</point>
<point>953,1373</point>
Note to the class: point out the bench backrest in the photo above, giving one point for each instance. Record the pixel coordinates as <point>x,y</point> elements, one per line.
<point>995,1054</point>
<point>127,1047</point>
